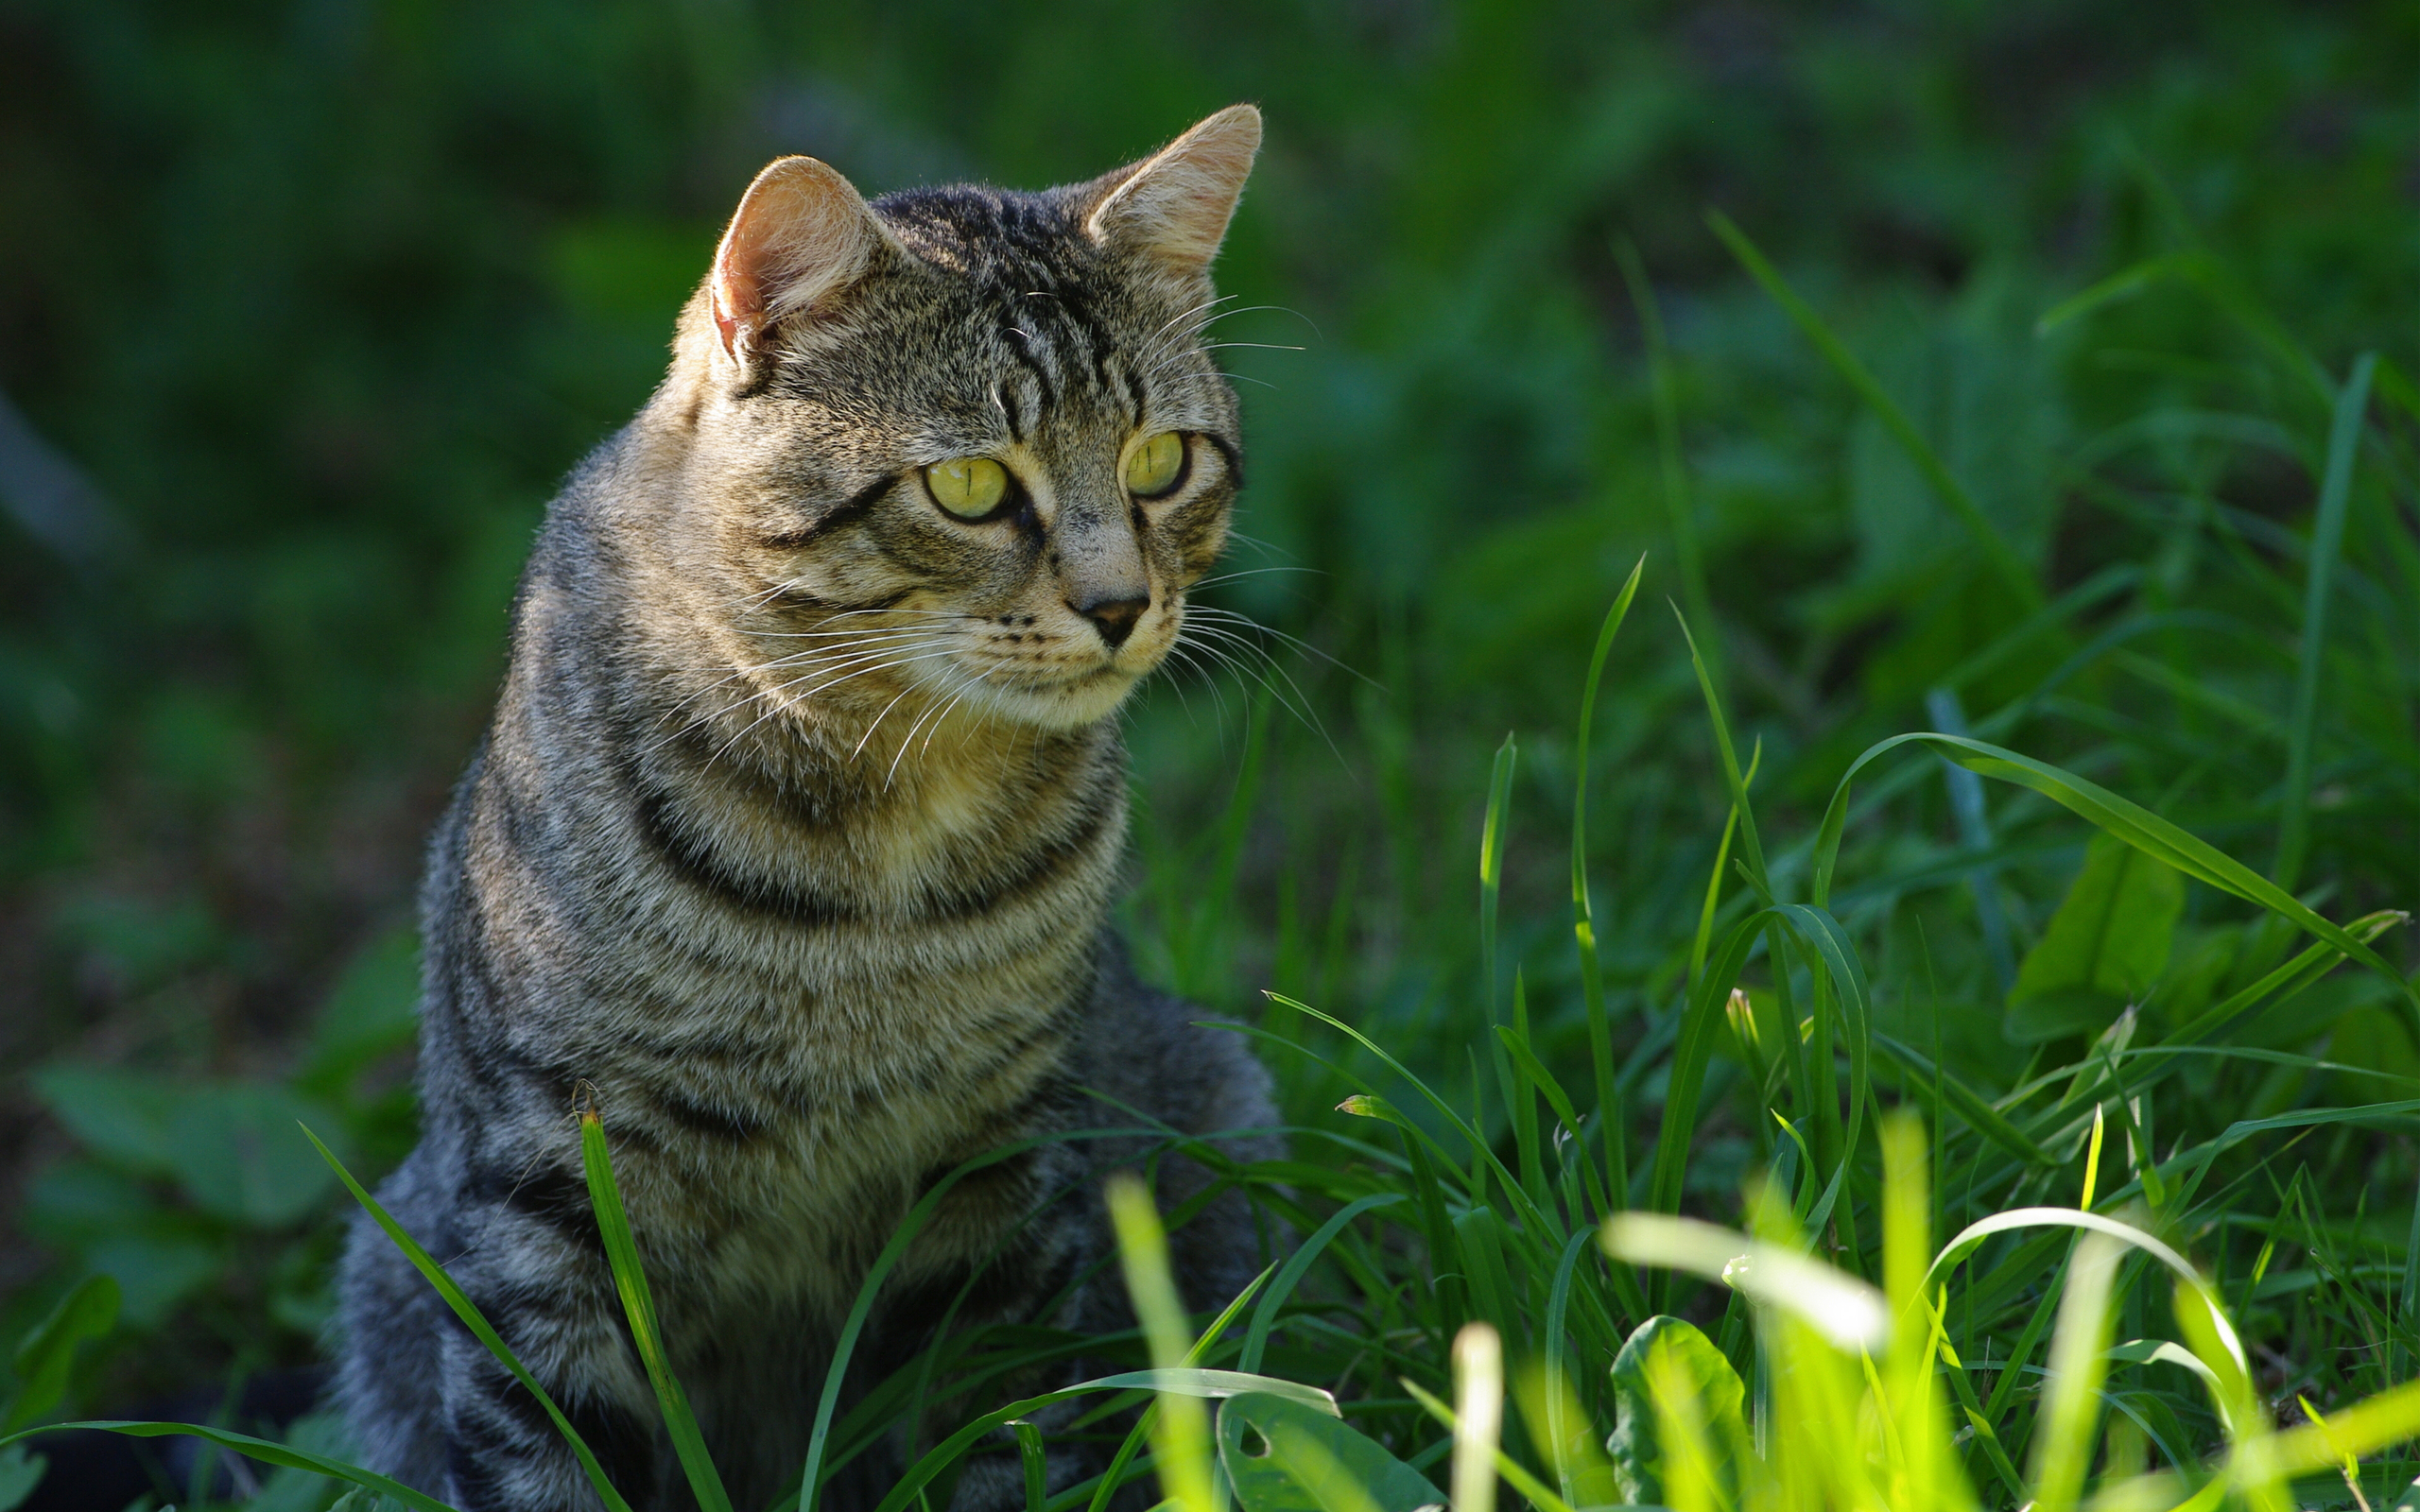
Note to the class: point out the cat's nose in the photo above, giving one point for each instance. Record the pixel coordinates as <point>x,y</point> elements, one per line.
<point>1113,617</point>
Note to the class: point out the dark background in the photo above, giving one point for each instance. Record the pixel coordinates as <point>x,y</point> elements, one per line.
<point>304,309</point>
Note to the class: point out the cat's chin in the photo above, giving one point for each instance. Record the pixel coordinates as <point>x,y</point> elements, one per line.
<point>1069,705</point>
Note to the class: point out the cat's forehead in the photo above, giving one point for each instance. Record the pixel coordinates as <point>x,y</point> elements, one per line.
<point>990,234</point>
<point>1029,316</point>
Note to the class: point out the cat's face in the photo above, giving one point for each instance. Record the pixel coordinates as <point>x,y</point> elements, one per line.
<point>969,443</point>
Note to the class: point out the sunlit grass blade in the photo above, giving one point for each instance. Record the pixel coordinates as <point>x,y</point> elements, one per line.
<point>2005,563</point>
<point>1689,1478</point>
<point>1970,1238</point>
<point>1844,1310</point>
<point>1533,1490</point>
<point>638,1304</point>
<point>1478,1409</point>
<point>2326,541</point>
<point>2382,1421</point>
<point>2078,1347</point>
<point>472,1319</point>
<point>1147,1423</point>
<point>1181,1443</point>
<point>1037,1470</point>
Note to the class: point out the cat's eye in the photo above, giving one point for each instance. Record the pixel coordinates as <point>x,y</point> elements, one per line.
<point>968,487</point>
<point>1156,465</point>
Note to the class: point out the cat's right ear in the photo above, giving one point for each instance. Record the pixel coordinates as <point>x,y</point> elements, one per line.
<point>801,235</point>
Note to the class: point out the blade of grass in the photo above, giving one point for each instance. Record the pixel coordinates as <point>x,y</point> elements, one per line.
<point>1611,1115</point>
<point>1479,1410</point>
<point>1147,1423</point>
<point>638,1304</point>
<point>1678,506</point>
<point>1739,784</point>
<point>1491,862</point>
<point>2327,540</point>
<point>1264,1316</point>
<point>1713,878</point>
<point>267,1453</point>
<point>1515,1474</point>
<point>844,1348</point>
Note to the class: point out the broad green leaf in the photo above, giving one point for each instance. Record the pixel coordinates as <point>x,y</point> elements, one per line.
<point>20,1472</point>
<point>1284,1456</point>
<point>48,1351</point>
<point>2378,1040</point>
<point>155,1272</point>
<point>1639,1458</point>
<point>2103,949</point>
<point>373,1010</point>
<point>231,1146</point>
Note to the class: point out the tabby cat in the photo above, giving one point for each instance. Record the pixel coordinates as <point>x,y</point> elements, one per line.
<point>791,843</point>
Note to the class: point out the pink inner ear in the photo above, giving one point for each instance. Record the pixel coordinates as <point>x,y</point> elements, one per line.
<point>802,232</point>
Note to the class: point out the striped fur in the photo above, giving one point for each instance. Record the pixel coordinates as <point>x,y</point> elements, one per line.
<point>792,842</point>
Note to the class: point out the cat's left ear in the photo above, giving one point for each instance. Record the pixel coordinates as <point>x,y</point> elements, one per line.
<point>802,237</point>
<point>1175,205</point>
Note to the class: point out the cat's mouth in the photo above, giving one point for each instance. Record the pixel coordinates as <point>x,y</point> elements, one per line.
<point>1057,697</point>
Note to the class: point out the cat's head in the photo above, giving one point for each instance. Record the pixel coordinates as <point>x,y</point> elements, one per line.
<point>964,443</point>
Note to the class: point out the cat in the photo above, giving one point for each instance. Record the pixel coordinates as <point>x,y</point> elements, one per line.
<point>791,845</point>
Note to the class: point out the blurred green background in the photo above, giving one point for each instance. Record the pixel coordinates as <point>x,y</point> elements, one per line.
<point>305,307</point>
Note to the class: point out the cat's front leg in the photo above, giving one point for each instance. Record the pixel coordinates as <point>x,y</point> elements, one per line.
<point>504,1452</point>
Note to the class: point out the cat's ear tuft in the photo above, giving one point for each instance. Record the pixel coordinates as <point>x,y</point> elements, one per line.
<point>801,235</point>
<point>1176,204</point>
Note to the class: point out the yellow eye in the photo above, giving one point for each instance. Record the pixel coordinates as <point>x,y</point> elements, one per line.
<point>967,487</point>
<point>1155,464</point>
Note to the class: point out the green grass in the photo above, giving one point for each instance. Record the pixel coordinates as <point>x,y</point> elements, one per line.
<point>2061,416</point>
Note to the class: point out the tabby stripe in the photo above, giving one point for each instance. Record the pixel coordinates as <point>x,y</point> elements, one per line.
<point>1019,349</point>
<point>1044,865</point>
<point>546,1195</point>
<point>856,506</point>
<point>691,859</point>
<point>728,1124</point>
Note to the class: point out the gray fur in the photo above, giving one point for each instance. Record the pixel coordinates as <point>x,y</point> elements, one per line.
<point>792,841</point>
